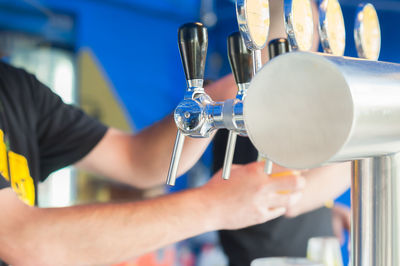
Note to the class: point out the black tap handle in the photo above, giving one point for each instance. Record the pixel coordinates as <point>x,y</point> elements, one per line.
<point>277,47</point>
<point>240,58</point>
<point>193,43</point>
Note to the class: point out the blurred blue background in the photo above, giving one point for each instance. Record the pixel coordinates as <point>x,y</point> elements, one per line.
<point>134,43</point>
<point>135,40</point>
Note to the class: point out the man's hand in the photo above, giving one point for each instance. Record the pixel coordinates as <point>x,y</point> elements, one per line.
<point>250,196</point>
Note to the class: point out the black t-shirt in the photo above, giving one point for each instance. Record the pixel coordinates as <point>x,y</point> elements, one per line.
<point>39,133</point>
<point>279,237</point>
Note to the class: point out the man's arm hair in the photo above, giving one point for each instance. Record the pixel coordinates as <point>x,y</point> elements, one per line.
<point>142,160</point>
<point>111,233</point>
<point>98,234</point>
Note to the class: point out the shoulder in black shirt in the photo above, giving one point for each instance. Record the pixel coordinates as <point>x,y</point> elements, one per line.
<point>39,133</point>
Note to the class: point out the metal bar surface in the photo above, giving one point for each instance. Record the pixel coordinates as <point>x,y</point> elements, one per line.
<point>375,211</point>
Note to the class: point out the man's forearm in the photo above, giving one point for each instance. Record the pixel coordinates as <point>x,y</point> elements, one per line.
<point>104,234</point>
<point>142,160</point>
<point>99,234</point>
<point>323,184</point>
<point>159,142</point>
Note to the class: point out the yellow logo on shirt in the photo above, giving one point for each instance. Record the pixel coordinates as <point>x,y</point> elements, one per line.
<point>3,158</point>
<point>15,167</point>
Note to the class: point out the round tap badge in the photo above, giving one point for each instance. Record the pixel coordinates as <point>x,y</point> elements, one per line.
<point>331,27</point>
<point>253,19</point>
<point>367,32</point>
<point>299,24</point>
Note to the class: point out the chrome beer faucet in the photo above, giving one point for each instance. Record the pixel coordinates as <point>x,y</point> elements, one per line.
<point>193,44</point>
<point>197,115</point>
<point>241,61</point>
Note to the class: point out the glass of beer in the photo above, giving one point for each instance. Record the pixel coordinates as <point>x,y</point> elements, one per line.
<point>325,250</point>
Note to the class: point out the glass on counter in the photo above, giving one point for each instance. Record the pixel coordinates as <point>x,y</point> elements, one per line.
<point>284,261</point>
<point>325,250</point>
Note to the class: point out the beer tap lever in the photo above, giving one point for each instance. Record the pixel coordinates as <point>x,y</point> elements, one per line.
<point>193,44</point>
<point>241,61</point>
<point>277,47</point>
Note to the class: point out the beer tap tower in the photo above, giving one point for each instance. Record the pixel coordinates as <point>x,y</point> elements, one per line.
<point>338,109</point>
<point>331,109</point>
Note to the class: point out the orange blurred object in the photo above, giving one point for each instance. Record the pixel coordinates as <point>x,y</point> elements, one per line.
<point>282,174</point>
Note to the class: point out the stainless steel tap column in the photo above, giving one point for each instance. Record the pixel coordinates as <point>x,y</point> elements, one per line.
<point>375,200</point>
<point>375,181</point>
